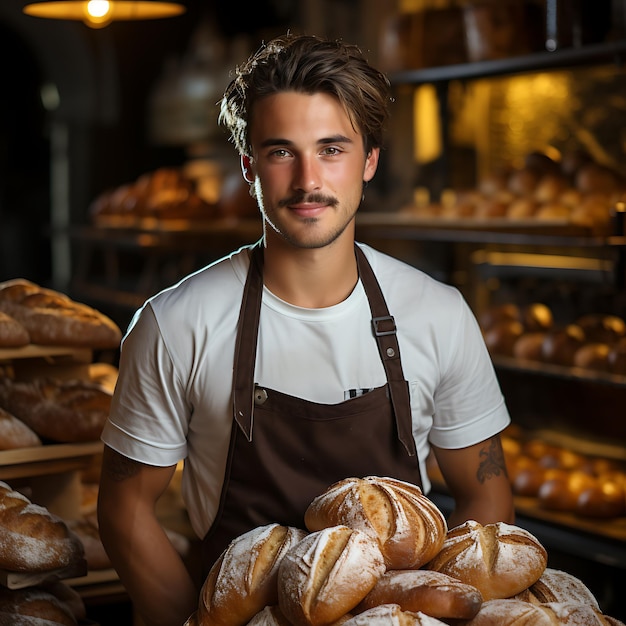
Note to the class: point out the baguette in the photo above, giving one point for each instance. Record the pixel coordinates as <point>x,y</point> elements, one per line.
<point>424,591</point>
<point>327,574</point>
<point>499,559</point>
<point>409,527</point>
<point>244,578</point>
<point>31,538</point>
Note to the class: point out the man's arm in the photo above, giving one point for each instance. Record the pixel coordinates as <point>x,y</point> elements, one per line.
<point>149,567</point>
<point>477,479</point>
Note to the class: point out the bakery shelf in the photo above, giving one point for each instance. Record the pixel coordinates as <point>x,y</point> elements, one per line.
<point>47,459</point>
<point>602,53</point>
<point>20,580</point>
<point>33,351</point>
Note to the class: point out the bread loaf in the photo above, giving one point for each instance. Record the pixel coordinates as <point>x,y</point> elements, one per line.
<point>425,591</point>
<point>64,411</point>
<point>558,586</point>
<point>269,616</point>
<point>35,607</point>
<point>15,434</point>
<point>562,493</point>
<point>89,536</point>
<point>498,559</point>
<point>605,499</point>
<point>12,333</point>
<point>409,527</point>
<point>244,579</point>
<point>392,615</point>
<point>31,538</point>
<point>327,574</point>
<point>52,318</point>
<point>511,612</point>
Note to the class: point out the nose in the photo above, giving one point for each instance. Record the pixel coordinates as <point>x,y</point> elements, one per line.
<point>307,176</point>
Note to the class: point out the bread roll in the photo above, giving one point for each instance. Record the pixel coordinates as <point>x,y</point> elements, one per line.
<point>31,538</point>
<point>499,313</point>
<point>244,579</point>
<point>605,499</point>
<point>593,356</point>
<point>12,333</point>
<point>560,345</point>
<point>327,574</point>
<point>33,606</point>
<point>269,616</point>
<point>408,526</point>
<point>529,346</point>
<point>562,493</point>
<point>392,615</point>
<point>558,586</point>
<point>15,434</point>
<point>529,480</point>
<point>67,411</point>
<point>501,338</point>
<point>425,591</point>
<point>498,559</point>
<point>537,317</point>
<point>511,612</point>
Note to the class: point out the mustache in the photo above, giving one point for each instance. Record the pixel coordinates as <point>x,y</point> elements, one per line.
<point>313,198</point>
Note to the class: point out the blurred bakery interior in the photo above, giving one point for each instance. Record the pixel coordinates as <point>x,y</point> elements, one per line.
<point>504,174</point>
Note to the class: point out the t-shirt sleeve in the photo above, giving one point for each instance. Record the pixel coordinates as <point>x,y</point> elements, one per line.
<point>149,413</point>
<point>469,405</point>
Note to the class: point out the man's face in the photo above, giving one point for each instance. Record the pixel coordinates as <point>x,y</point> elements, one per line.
<point>308,167</point>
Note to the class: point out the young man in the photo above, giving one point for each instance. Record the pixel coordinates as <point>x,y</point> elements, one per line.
<point>299,361</point>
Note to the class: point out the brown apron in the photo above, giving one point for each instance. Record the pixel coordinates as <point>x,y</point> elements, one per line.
<point>294,449</point>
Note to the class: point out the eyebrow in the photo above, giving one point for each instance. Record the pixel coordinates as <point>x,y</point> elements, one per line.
<point>268,143</point>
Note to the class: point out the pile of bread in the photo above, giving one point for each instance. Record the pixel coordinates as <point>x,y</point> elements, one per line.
<point>594,341</point>
<point>31,314</point>
<point>42,550</point>
<point>377,551</point>
<point>571,188</point>
<point>173,193</point>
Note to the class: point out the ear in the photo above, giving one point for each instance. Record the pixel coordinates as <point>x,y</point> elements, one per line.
<point>371,164</point>
<point>246,168</point>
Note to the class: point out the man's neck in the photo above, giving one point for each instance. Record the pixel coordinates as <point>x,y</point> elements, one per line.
<point>311,278</point>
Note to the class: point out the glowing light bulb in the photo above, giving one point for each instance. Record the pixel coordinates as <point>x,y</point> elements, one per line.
<point>98,13</point>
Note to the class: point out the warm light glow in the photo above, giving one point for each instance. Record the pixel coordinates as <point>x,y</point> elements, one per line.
<point>98,13</point>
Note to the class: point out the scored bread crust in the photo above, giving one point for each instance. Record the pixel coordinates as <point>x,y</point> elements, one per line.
<point>33,606</point>
<point>408,526</point>
<point>31,538</point>
<point>425,591</point>
<point>558,586</point>
<point>327,574</point>
<point>392,615</point>
<point>499,559</point>
<point>244,578</point>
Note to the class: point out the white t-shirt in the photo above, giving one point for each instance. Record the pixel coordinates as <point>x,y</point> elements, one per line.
<point>173,398</point>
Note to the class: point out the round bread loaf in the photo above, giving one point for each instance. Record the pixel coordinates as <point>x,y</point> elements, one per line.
<point>593,356</point>
<point>425,591</point>
<point>392,615</point>
<point>35,607</point>
<point>529,346</point>
<point>269,616</point>
<point>15,434</point>
<point>244,578</point>
<point>605,499</point>
<point>558,586</point>
<point>560,345</point>
<point>602,328</point>
<point>498,559</point>
<point>327,574</point>
<point>537,317</point>
<point>408,526</point>
<point>31,538</point>
<point>501,338</point>
<point>67,411</point>
<point>12,333</point>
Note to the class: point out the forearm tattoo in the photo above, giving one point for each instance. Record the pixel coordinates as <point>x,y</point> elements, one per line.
<point>493,462</point>
<point>119,467</point>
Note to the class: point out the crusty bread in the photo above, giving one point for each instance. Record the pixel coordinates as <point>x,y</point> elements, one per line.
<point>408,526</point>
<point>392,615</point>
<point>499,559</point>
<point>33,606</point>
<point>244,578</point>
<point>63,411</point>
<point>31,538</point>
<point>425,591</point>
<point>558,586</point>
<point>12,333</point>
<point>52,318</point>
<point>327,574</point>
<point>15,433</point>
<point>512,612</point>
<point>269,616</point>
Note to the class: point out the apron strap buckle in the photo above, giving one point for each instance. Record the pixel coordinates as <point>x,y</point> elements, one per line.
<point>384,325</point>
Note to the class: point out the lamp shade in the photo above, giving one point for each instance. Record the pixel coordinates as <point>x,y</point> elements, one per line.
<point>99,13</point>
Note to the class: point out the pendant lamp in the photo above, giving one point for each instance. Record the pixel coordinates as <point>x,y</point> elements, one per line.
<point>99,13</point>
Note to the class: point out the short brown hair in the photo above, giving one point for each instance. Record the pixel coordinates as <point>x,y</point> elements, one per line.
<point>308,64</point>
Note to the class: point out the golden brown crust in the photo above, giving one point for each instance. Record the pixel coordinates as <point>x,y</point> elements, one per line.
<point>408,526</point>
<point>14,433</point>
<point>558,586</point>
<point>12,333</point>
<point>31,538</point>
<point>499,559</point>
<point>64,411</point>
<point>32,606</point>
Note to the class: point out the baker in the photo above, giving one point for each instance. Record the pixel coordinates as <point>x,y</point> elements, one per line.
<point>300,360</point>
